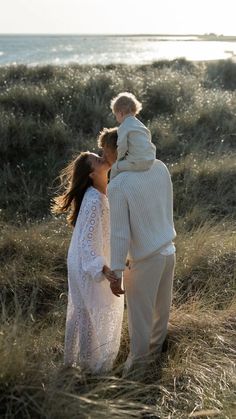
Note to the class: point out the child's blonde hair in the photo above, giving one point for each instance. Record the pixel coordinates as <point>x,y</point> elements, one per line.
<point>127,103</point>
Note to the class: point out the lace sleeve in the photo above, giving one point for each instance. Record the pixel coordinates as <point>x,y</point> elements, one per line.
<point>93,259</point>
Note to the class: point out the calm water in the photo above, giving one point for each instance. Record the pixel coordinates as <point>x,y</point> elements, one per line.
<point>63,50</point>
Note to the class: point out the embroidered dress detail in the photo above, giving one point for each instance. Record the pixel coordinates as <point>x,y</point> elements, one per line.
<point>94,314</point>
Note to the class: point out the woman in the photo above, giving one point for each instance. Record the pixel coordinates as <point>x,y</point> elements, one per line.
<point>94,314</point>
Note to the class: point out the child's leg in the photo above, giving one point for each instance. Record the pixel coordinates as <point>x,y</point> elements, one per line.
<point>135,166</point>
<point>127,166</point>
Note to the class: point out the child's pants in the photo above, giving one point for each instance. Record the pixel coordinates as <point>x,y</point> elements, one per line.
<point>125,165</point>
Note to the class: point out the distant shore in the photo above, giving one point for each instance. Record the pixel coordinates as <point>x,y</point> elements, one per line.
<point>199,37</point>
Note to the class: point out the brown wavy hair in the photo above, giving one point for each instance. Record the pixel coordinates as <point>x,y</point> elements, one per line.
<point>75,181</point>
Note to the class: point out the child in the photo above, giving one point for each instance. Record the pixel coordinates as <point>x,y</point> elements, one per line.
<point>94,314</point>
<point>135,151</point>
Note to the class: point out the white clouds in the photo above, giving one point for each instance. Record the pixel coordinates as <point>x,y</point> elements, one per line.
<point>120,16</point>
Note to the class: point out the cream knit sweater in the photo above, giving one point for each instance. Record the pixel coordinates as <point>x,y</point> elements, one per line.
<point>141,214</point>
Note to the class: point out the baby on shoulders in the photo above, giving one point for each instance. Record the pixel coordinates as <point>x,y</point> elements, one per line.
<point>135,150</point>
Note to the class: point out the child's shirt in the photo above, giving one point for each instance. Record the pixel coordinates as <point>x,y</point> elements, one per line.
<point>134,141</point>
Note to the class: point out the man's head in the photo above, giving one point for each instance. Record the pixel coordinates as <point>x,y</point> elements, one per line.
<point>125,104</point>
<point>107,140</point>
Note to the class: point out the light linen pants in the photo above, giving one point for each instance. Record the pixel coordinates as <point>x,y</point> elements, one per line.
<point>148,284</point>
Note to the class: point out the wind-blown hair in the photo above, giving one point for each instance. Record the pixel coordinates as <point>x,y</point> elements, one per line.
<point>75,181</point>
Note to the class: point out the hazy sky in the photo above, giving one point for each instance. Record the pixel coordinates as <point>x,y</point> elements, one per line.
<point>119,16</point>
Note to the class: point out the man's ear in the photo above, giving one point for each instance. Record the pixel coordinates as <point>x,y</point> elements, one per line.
<point>91,175</point>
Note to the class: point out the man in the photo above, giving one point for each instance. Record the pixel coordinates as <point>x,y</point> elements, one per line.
<point>141,214</point>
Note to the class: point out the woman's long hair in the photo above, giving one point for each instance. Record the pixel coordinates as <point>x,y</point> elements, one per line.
<point>75,181</point>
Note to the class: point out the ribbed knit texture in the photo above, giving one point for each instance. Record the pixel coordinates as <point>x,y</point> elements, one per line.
<point>141,213</point>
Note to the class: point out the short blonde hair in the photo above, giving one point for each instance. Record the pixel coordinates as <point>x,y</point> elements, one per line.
<point>126,102</point>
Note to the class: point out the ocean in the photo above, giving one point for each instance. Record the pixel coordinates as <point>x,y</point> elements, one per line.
<point>63,50</point>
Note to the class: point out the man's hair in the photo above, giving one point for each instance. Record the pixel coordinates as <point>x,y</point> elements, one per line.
<point>108,137</point>
<point>126,102</point>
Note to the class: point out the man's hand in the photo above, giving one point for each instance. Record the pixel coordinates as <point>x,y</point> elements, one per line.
<point>116,287</point>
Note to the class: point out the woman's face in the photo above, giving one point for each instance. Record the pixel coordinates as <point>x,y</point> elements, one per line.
<point>100,167</point>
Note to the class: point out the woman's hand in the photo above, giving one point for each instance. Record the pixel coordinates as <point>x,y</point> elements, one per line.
<point>115,283</point>
<point>110,275</point>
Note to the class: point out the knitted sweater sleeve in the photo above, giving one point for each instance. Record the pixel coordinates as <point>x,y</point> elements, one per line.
<point>120,227</point>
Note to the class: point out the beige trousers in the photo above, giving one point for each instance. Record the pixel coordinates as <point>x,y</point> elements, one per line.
<point>148,285</point>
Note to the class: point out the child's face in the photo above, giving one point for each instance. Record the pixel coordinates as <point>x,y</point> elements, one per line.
<point>119,116</point>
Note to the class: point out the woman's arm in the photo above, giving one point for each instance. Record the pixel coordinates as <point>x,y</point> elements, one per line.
<point>93,259</point>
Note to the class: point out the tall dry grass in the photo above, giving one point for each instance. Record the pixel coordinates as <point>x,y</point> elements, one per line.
<point>195,373</point>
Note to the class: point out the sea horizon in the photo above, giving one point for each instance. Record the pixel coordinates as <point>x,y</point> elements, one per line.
<point>137,49</point>
<point>203,35</point>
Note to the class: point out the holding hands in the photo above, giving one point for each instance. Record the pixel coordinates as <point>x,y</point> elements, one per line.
<point>109,274</point>
<point>116,287</point>
<point>115,283</point>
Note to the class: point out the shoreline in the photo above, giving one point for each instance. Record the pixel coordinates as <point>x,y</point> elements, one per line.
<point>118,65</point>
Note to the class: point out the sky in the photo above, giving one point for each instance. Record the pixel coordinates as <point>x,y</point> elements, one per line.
<point>118,16</point>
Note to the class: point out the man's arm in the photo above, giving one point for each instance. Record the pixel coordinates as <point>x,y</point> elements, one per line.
<point>120,227</point>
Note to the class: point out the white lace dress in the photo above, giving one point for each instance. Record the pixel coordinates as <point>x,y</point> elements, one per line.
<point>94,314</point>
